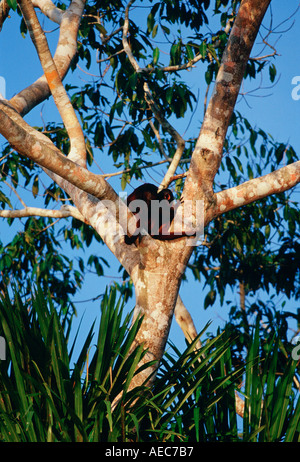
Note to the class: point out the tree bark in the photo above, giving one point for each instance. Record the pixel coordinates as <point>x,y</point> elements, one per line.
<point>4,12</point>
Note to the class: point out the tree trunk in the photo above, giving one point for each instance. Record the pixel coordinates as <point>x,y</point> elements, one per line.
<point>156,287</point>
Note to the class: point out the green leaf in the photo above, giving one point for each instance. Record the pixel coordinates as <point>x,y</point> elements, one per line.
<point>169,95</point>
<point>102,29</point>
<point>12,4</point>
<point>267,231</point>
<point>154,31</point>
<point>148,139</point>
<point>166,30</point>
<point>132,81</point>
<point>210,298</point>
<point>202,49</point>
<point>189,52</point>
<point>156,54</point>
<point>209,75</point>
<point>5,200</point>
<point>239,164</point>
<point>175,52</point>
<point>109,131</point>
<point>35,186</point>
<point>250,172</point>
<point>150,22</point>
<point>272,72</point>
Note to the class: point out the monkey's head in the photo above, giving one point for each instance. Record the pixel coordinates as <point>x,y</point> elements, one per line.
<point>165,194</point>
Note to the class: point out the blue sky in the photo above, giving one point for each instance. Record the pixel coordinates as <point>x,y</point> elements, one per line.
<point>270,107</point>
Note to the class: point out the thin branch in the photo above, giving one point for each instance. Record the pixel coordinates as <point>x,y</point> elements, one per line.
<point>242,295</point>
<point>106,38</point>
<point>160,143</point>
<point>187,325</point>
<point>14,191</point>
<point>171,130</point>
<point>205,98</point>
<point>156,111</point>
<point>179,176</point>
<point>175,68</point>
<point>98,61</point>
<point>270,55</point>
<point>65,212</point>
<point>185,322</point>
<point>126,45</point>
<point>128,170</point>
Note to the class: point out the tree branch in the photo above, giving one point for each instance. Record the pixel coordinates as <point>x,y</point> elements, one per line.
<point>186,324</point>
<point>48,8</point>
<point>160,142</point>
<point>94,198</point>
<point>208,151</point>
<point>185,321</point>
<point>61,99</point>
<point>276,182</point>
<point>171,130</point>
<point>157,113</point>
<point>65,212</point>
<point>14,191</point>
<point>4,11</point>
<point>66,49</point>
<point>41,150</point>
<point>175,68</point>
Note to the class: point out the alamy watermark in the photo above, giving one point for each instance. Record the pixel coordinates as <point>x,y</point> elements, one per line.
<point>178,220</point>
<point>2,87</point>
<point>296,89</point>
<point>296,349</point>
<point>2,349</point>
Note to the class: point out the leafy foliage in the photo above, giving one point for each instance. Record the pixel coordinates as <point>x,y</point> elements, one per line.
<point>37,251</point>
<point>51,392</point>
<point>269,412</point>
<point>263,235</point>
<point>44,396</point>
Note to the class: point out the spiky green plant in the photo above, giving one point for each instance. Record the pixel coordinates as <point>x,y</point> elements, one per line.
<point>44,395</point>
<point>48,395</point>
<point>272,400</point>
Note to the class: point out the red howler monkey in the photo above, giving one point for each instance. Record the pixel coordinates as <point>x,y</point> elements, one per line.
<point>154,217</point>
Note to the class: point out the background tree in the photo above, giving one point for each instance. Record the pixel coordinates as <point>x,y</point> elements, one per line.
<point>133,106</point>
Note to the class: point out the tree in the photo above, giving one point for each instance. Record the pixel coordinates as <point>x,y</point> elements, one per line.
<point>144,98</point>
